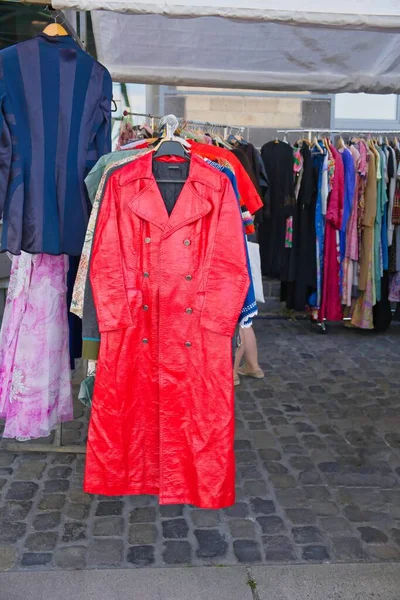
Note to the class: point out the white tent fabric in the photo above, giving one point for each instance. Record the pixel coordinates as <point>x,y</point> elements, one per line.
<point>292,45</point>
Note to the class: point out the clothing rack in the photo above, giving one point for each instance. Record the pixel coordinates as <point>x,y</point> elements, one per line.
<point>183,120</point>
<point>322,327</point>
<point>311,132</point>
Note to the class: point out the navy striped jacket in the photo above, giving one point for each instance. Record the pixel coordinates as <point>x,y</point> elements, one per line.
<point>55,123</point>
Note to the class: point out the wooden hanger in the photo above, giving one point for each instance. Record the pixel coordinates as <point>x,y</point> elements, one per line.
<point>340,145</point>
<point>55,28</point>
<point>316,145</point>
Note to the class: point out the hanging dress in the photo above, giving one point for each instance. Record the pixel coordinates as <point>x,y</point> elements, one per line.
<point>279,164</point>
<point>35,380</point>
<point>331,308</point>
<point>363,314</point>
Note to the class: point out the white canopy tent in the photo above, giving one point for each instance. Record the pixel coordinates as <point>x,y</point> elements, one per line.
<point>286,45</point>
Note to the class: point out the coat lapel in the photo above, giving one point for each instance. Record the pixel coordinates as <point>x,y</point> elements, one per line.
<point>191,205</point>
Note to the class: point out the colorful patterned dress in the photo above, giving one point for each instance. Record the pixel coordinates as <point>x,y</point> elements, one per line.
<point>35,375</point>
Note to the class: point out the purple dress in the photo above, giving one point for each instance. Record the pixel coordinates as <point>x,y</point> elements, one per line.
<point>35,376</point>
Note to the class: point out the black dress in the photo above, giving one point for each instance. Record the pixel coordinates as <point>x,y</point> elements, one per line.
<point>299,272</point>
<point>278,161</point>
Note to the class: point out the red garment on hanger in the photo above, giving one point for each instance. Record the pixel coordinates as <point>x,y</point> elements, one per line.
<point>331,304</point>
<point>247,191</point>
<point>168,292</point>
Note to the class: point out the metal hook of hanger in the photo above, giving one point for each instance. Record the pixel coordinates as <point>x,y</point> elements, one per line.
<point>114,106</point>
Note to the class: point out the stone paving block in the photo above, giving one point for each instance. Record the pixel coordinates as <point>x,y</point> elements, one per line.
<point>282,481</point>
<point>41,542</point>
<point>262,506</point>
<point>300,516</point>
<point>247,551</point>
<point>142,534</point>
<point>46,521</point>
<point>171,511</point>
<point>79,512</point>
<point>211,544</point>
<point>271,525</point>
<point>22,490</point>
<point>108,526</point>
<point>242,528</point>
<point>109,508</point>
<point>177,553</point>
<point>105,552</point>
<point>79,497</point>
<point>348,549</point>
<point>240,509</point>
<point>71,557</point>
<point>15,511</point>
<point>143,515</point>
<point>141,556</point>
<point>371,535</point>
<point>255,488</point>
<point>53,486</point>
<point>36,559</point>
<point>383,553</point>
<point>278,549</point>
<point>74,532</point>
<point>29,470</point>
<point>175,528</point>
<point>11,532</point>
<point>8,558</point>
<point>324,509</point>
<point>7,458</point>
<point>316,553</point>
<point>306,535</point>
<point>205,518</point>
<point>52,502</point>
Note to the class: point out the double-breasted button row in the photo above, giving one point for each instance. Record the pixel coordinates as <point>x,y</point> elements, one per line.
<point>187,242</point>
<point>145,307</point>
<point>188,344</point>
<point>147,240</point>
<point>188,277</point>
<point>145,341</point>
<point>189,311</point>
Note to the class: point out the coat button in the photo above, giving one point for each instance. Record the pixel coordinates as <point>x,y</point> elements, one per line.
<point>147,240</point>
<point>145,307</point>
<point>188,344</point>
<point>188,278</point>
<point>145,341</point>
<point>189,311</point>
<point>187,242</point>
<point>146,274</point>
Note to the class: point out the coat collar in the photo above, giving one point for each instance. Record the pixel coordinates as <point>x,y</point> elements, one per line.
<point>191,205</point>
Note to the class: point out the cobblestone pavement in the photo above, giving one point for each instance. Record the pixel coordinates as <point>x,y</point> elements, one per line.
<point>318,473</point>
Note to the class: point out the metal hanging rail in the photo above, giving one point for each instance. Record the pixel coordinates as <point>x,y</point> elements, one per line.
<point>183,120</point>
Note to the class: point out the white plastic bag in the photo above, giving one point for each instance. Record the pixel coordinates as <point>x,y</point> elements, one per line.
<point>255,264</point>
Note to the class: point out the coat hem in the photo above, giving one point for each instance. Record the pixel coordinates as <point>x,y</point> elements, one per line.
<point>98,490</point>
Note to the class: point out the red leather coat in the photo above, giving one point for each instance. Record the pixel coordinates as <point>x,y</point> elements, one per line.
<point>168,292</point>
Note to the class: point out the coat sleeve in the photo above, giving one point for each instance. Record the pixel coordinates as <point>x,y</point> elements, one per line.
<point>228,278</point>
<point>106,273</point>
<point>5,148</point>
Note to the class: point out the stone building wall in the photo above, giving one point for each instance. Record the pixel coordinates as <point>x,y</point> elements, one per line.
<point>261,115</point>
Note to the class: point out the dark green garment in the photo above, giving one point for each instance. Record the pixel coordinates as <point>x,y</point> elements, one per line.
<point>86,391</point>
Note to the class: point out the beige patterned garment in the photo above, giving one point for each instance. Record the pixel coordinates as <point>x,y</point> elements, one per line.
<point>81,276</point>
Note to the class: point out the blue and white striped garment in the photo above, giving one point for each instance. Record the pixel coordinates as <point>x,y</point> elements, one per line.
<point>55,123</point>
